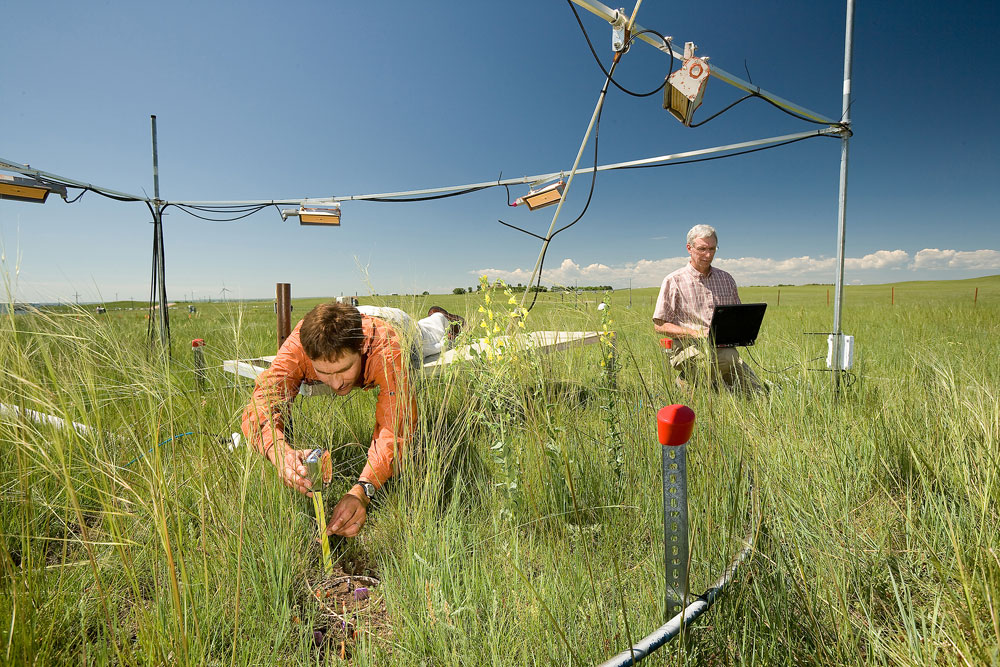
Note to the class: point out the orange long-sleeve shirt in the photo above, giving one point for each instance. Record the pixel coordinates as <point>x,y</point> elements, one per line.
<point>384,367</point>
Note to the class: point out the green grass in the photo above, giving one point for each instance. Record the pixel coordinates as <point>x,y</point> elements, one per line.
<point>519,531</point>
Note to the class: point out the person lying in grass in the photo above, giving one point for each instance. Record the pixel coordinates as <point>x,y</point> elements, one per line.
<point>347,349</point>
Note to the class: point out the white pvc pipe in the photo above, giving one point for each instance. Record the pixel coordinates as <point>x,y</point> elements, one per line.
<point>42,418</point>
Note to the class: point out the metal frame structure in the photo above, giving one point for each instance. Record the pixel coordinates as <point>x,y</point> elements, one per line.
<point>616,19</point>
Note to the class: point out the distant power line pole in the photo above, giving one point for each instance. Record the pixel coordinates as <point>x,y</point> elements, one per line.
<point>76,295</point>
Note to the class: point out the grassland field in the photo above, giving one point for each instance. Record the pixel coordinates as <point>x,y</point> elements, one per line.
<point>525,525</point>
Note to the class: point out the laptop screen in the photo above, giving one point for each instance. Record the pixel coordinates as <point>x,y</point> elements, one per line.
<point>736,325</point>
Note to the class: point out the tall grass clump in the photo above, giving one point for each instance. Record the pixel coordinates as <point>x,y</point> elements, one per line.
<point>525,522</point>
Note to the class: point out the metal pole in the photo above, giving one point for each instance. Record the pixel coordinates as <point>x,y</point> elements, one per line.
<point>572,174</point>
<point>199,362</point>
<point>160,277</point>
<point>842,207</point>
<point>284,311</point>
<point>673,428</point>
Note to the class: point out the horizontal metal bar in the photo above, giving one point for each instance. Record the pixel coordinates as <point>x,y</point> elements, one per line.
<point>610,15</point>
<point>537,178</point>
<point>25,169</point>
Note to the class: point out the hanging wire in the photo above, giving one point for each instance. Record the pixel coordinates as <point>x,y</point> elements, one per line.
<point>390,200</point>
<point>625,49</point>
<point>245,212</point>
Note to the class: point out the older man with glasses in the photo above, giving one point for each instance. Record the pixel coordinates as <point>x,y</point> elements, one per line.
<point>684,312</point>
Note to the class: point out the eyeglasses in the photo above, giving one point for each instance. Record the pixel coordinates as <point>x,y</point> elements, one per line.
<point>704,250</point>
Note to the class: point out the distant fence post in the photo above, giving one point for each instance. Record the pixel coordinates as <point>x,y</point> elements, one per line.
<point>199,362</point>
<point>674,424</point>
<point>828,296</point>
<point>975,297</point>
<point>779,296</point>
<point>892,299</point>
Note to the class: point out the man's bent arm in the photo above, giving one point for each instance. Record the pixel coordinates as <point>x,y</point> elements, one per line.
<point>263,424</point>
<point>676,330</point>
<point>395,418</point>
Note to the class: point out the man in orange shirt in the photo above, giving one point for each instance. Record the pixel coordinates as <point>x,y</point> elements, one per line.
<point>338,346</point>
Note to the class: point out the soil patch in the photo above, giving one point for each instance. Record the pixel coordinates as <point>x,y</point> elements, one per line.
<point>350,607</point>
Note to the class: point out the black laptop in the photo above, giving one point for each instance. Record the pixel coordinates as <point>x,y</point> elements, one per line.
<point>736,325</point>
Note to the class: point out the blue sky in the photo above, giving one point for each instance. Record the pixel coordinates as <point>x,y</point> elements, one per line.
<point>261,100</point>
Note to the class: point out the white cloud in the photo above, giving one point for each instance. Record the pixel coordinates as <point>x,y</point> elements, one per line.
<point>759,270</point>
<point>881,259</point>
<point>979,260</point>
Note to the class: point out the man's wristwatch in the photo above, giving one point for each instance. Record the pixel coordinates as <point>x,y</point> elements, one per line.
<point>367,487</point>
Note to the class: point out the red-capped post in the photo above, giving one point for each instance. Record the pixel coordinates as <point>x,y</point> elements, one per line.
<point>674,424</point>
<point>199,362</point>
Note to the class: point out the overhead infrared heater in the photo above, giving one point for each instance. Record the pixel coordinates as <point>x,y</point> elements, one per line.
<point>325,216</point>
<point>22,188</point>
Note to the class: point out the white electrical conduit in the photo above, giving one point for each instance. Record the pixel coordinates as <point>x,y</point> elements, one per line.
<point>537,178</point>
<point>42,418</point>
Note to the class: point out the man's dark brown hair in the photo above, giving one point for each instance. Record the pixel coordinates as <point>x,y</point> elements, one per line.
<point>329,329</point>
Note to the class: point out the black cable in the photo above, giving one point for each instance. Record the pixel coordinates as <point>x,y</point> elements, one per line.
<point>590,195</point>
<point>624,49</point>
<point>719,113</point>
<point>768,370</point>
<point>77,198</point>
<point>152,279</point>
<point>391,200</point>
<point>184,208</point>
<point>225,208</point>
<point>540,238</point>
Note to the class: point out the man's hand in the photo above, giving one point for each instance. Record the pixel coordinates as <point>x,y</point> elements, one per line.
<point>698,332</point>
<point>292,470</point>
<point>349,514</point>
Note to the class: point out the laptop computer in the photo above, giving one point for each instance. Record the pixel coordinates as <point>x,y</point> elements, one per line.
<point>736,325</point>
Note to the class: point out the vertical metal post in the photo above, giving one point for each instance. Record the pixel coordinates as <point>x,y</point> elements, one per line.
<point>283,303</point>
<point>842,207</point>
<point>199,362</point>
<point>674,424</point>
<point>159,278</point>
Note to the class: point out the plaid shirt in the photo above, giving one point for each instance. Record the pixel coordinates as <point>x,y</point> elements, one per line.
<point>688,298</point>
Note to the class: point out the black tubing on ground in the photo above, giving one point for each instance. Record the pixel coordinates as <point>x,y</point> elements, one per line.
<point>672,628</point>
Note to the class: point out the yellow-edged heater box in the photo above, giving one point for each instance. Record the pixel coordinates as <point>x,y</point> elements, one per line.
<point>320,216</point>
<point>547,196</point>
<point>19,188</point>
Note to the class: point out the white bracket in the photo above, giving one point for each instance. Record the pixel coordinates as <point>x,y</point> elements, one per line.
<point>618,31</point>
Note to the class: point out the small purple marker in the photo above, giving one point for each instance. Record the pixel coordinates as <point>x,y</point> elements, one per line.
<point>360,593</point>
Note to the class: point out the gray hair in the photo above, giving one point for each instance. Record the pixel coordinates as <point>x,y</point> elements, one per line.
<point>702,232</point>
